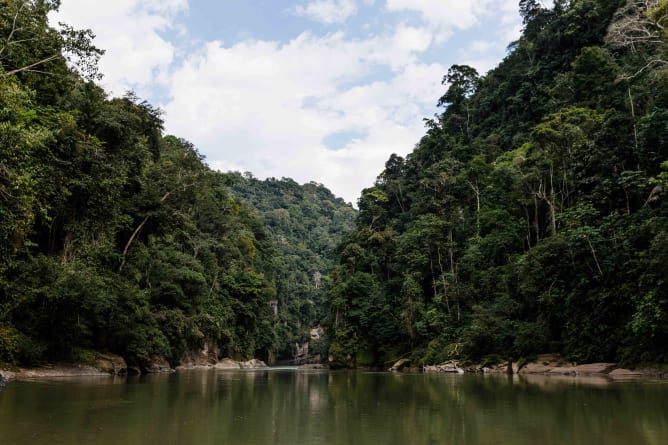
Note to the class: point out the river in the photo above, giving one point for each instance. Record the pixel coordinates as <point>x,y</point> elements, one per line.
<point>319,407</point>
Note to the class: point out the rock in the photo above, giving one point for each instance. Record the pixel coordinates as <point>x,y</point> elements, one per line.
<point>547,363</point>
<point>625,373</point>
<point>499,368</point>
<point>155,364</point>
<point>5,377</point>
<point>473,369</point>
<point>595,368</point>
<point>253,364</point>
<point>187,367</point>
<point>316,333</point>
<point>451,366</point>
<point>205,357</point>
<point>586,369</point>
<point>400,365</point>
<point>227,363</point>
<point>563,370</point>
<point>536,368</point>
<point>112,364</point>
<point>59,371</point>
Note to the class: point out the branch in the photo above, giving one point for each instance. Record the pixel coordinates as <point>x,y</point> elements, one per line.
<point>27,68</point>
<point>11,33</point>
<point>143,223</point>
<point>637,73</point>
<point>129,243</point>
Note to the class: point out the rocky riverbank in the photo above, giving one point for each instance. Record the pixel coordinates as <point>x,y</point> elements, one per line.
<point>545,364</point>
<point>106,365</point>
<point>226,363</point>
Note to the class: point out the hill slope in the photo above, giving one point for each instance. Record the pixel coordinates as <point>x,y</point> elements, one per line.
<point>532,216</point>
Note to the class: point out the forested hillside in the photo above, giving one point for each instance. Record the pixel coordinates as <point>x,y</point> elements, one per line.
<point>532,216</point>
<point>306,223</point>
<point>117,238</point>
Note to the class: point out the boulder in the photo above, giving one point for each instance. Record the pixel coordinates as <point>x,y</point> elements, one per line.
<point>253,364</point>
<point>595,368</point>
<point>625,373</point>
<point>112,364</point>
<point>227,363</point>
<point>536,368</point>
<point>499,368</point>
<point>155,364</point>
<point>451,366</point>
<point>547,363</point>
<point>205,357</point>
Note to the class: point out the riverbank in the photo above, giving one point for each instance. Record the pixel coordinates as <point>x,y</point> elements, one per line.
<point>546,365</point>
<point>549,364</point>
<point>109,365</point>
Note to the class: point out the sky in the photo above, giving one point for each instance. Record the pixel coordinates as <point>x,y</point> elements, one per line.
<point>314,90</point>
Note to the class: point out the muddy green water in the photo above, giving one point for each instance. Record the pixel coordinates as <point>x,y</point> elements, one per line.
<point>319,407</point>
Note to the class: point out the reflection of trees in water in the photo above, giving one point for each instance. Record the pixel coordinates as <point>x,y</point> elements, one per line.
<point>313,407</point>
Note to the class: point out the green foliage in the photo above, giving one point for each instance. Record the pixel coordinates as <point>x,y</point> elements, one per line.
<point>115,237</point>
<point>531,216</point>
<point>304,225</point>
<point>9,344</point>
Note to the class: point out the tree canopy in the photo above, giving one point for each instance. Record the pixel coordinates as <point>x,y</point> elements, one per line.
<point>116,237</point>
<point>531,217</point>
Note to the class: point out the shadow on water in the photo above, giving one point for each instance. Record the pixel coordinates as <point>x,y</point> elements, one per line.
<point>293,406</point>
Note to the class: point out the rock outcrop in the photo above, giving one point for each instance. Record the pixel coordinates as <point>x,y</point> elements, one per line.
<point>625,373</point>
<point>451,366</point>
<point>545,364</point>
<point>205,357</point>
<point>111,364</point>
<point>60,371</point>
<point>252,364</point>
<point>155,364</point>
<point>227,363</point>
<point>555,364</point>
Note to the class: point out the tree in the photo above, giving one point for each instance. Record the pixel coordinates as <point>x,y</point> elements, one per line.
<point>29,45</point>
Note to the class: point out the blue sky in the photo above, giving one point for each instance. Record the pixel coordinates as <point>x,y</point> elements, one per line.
<point>315,90</point>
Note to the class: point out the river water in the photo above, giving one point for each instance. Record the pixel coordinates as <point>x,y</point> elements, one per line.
<point>318,407</point>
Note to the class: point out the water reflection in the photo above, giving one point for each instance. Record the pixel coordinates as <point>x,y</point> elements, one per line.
<point>319,407</point>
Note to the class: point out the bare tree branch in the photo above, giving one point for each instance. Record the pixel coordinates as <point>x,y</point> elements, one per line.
<point>11,33</point>
<point>632,26</point>
<point>27,68</point>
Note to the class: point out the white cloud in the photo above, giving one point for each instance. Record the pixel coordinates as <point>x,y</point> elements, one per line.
<point>130,32</point>
<point>444,16</point>
<point>244,105</point>
<point>328,11</point>
<point>267,106</point>
<point>440,13</point>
